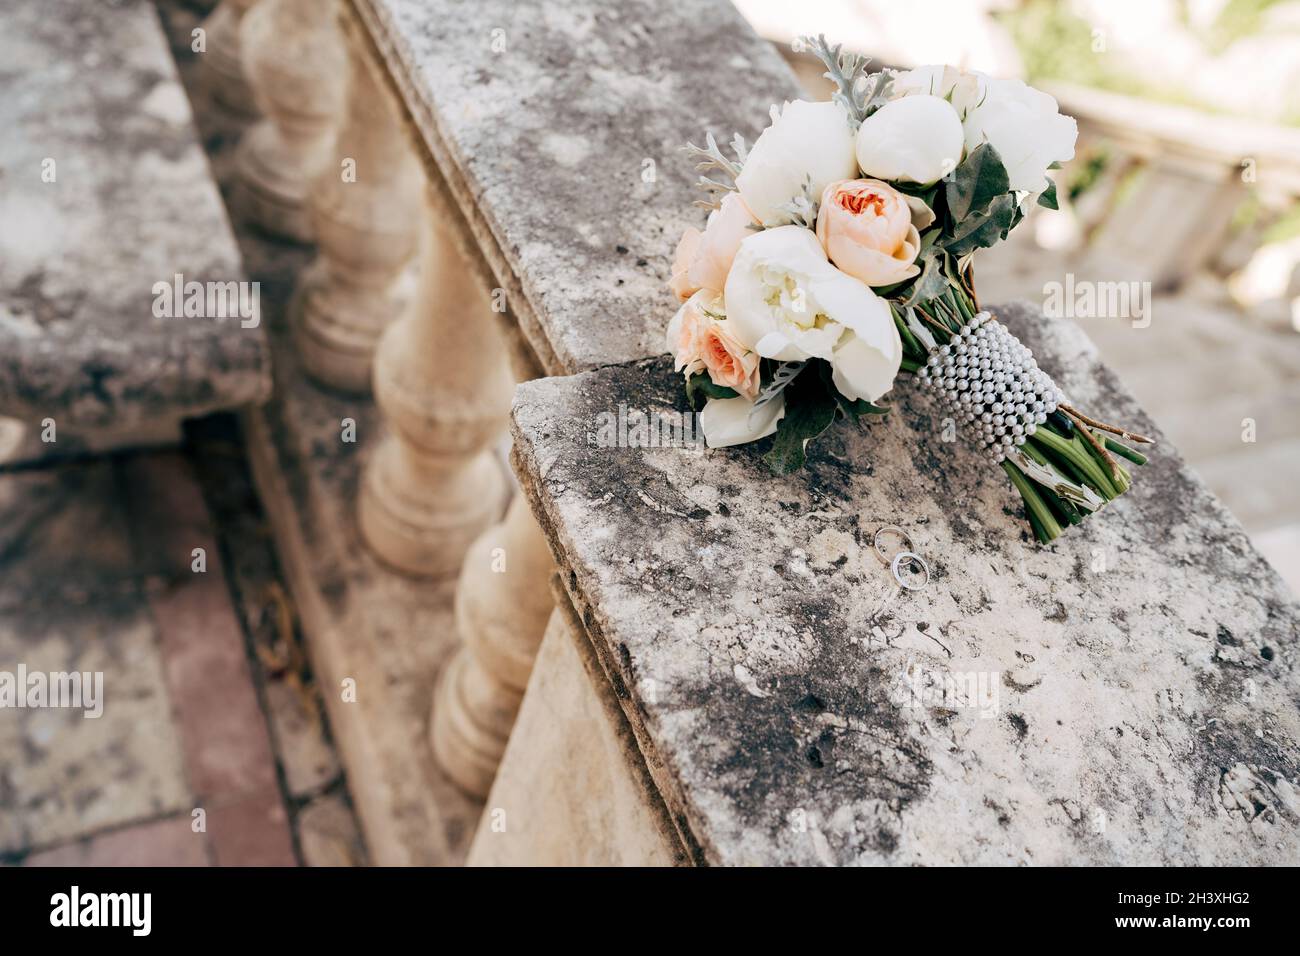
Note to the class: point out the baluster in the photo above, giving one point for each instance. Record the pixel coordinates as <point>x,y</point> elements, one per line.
<point>442,380</point>
<point>365,208</point>
<point>503,602</point>
<point>295,60</point>
<point>222,68</point>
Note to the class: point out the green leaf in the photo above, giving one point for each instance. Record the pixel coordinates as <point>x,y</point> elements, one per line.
<point>809,410</point>
<point>1017,214</point>
<point>980,179</point>
<point>700,384</point>
<point>1047,197</point>
<point>932,281</point>
<point>982,231</point>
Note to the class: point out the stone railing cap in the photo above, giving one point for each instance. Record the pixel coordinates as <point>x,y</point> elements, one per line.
<point>132,203</point>
<point>1124,696</point>
<point>558,127</point>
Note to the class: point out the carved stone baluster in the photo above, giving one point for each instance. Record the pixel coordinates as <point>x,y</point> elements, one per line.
<point>222,66</point>
<point>295,59</point>
<point>503,602</point>
<point>365,213</point>
<point>443,383</point>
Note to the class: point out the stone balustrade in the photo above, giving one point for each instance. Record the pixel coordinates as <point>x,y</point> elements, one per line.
<point>223,65</point>
<point>571,270</point>
<point>365,210</point>
<point>294,59</point>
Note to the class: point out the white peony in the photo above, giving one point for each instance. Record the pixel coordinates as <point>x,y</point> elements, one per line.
<point>728,421</point>
<point>914,139</point>
<point>785,301</point>
<point>865,366</point>
<point>808,145</point>
<point>963,90</point>
<point>1025,127</point>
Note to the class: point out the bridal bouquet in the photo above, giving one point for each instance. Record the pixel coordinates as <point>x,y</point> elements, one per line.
<point>839,252</point>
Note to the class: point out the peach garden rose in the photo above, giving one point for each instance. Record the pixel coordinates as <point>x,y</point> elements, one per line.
<point>703,259</point>
<point>729,363</point>
<point>866,228</point>
<point>701,339</point>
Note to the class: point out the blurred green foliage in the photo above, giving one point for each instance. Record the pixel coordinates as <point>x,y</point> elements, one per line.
<point>1057,44</point>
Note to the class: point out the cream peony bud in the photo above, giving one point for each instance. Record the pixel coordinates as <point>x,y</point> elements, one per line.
<point>916,139</point>
<point>728,421</point>
<point>963,90</point>
<point>808,144</point>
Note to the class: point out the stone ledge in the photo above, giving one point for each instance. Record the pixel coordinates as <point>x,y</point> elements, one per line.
<point>566,116</point>
<point>1144,664</point>
<point>93,87</point>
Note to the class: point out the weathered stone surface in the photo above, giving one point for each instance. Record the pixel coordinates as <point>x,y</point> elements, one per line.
<point>383,633</point>
<point>537,817</point>
<point>71,600</point>
<point>289,695</point>
<point>129,202</point>
<point>328,834</point>
<point>579,108</point>
<point>789,696</point>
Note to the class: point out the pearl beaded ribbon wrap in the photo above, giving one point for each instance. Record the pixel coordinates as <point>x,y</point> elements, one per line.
<point>987,378</point>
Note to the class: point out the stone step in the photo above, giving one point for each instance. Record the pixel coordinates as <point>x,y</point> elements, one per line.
<point>105,199</point>
<point>1206,430</point>
<point>1282,548</point>
<point>1031,705</point>
<point>1258,483</point>
<point>97,576</point>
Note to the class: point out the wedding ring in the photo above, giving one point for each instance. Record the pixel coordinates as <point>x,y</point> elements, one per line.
<point>909,558</point>
<point>897,532</point>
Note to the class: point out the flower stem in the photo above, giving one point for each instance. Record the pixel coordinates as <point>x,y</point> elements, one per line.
<point>1125,452</point>
<point>1047,527</point>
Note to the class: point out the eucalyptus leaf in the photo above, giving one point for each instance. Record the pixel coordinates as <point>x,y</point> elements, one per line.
<point>931,282</point>
<point>1047,197</point>
<point>700,384</point>
<point>983,230</point>
<point>809,410</point>
<point>979,180</point>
